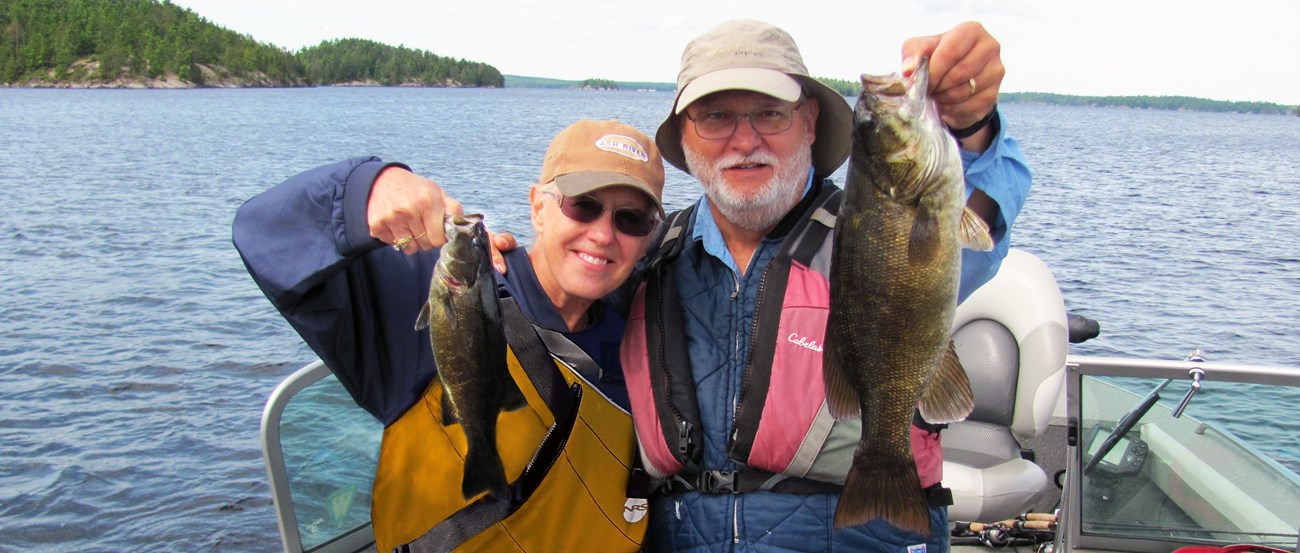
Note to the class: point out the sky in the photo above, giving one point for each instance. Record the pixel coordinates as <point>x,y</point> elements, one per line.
<point>1239,50</point>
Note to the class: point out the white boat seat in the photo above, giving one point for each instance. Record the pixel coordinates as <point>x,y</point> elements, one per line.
<point>1012,338</point>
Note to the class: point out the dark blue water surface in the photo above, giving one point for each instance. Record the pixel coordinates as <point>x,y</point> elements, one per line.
<point>136,354</point>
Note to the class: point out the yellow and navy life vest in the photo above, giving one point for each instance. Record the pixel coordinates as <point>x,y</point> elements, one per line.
<point>569,457</point>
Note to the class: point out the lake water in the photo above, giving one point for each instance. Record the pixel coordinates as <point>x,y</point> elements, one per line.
<point>136,354</point>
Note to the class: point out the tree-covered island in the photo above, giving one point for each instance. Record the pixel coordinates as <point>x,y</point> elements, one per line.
<point>157,44</point>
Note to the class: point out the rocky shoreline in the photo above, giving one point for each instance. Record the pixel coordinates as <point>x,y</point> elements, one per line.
<point>172,81</point>
<point>84,74</point>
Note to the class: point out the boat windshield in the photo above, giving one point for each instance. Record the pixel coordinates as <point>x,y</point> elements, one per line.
<point>321,458</point>
<point>1202,477</point>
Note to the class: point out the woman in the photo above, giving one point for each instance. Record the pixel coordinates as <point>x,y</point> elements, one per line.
<point>316,245</point>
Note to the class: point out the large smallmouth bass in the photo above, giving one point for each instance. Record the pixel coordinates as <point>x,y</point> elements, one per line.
<point>894,276</point>
<point>469,348</point>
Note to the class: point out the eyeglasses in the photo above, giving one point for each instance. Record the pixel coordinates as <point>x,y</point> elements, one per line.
<point>586,209</point>
<point>717,124</point>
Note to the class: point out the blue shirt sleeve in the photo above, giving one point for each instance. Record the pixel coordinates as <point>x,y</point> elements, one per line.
<point>354,301</point>
<point>1002,174</point>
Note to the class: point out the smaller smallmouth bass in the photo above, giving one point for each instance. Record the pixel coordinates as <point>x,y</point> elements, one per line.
<point>469,348</point>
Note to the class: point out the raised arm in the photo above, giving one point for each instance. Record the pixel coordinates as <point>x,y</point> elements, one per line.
<point>308,244</point>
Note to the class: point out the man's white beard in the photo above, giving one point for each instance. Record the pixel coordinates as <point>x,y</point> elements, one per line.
<point>760,209</point>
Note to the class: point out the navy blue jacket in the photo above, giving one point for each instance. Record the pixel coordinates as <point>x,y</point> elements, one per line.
<point>354,300</point>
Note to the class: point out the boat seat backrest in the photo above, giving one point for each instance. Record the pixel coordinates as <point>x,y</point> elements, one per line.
<point>1012,337</point>
<point>991,357</point>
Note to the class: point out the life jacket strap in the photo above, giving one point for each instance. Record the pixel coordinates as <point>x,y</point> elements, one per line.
<point>671,239</point>
<point>716,482</point>
<point>925,425</point>
<point>749,480</point>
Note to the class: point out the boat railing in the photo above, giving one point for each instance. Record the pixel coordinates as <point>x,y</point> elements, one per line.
<point>320,452</point>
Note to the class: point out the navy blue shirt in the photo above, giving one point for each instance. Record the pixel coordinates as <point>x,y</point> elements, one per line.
<point>600,340</point>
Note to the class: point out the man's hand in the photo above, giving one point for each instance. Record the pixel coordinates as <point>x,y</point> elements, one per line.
<point>964,55</point>
<point>407,209</point>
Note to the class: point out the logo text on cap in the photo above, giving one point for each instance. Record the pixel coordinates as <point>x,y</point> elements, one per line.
<point>623,145</point>
<point>738,50</point>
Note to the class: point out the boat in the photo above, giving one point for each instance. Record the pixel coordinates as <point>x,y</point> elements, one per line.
<point>1062,453</point>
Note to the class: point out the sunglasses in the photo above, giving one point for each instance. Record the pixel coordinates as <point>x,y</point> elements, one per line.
<point>586,209</point>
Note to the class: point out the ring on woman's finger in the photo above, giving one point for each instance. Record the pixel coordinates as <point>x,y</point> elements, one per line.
<point>401,243</point>
<point>972,87</point>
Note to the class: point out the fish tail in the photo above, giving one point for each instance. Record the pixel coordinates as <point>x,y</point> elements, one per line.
<point>483,473</point>
<point>879,488</point>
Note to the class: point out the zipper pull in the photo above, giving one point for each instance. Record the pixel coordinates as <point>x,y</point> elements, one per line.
<point>685,449</point>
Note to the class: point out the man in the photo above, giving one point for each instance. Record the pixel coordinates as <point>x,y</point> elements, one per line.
<point>703,362</point>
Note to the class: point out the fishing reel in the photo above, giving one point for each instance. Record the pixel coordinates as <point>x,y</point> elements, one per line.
<point>1031,529</point>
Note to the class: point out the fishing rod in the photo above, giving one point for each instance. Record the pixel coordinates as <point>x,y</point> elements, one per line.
<point>1032,529</point>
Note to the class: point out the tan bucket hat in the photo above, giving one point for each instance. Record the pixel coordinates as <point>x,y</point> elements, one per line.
<point>590,155</point>
<point>744,54</point>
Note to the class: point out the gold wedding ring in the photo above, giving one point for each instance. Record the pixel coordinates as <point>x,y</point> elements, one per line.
<point>401,243</point>
<point>972,87</point>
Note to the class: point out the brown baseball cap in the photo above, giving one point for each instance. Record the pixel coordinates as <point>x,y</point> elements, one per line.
<point>744,54</point>
<point>590,155</point>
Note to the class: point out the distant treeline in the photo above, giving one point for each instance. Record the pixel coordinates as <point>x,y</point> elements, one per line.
<point>90,42</point>
<point>847,88</point>
<point>519,81</point>
<point>1178,103</point>
<point>352,60</point>
<point>598,84</point>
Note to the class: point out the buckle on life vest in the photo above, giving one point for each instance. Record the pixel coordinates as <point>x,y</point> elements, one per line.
<point>716,481</point>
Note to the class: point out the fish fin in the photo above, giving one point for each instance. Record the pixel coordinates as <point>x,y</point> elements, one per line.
<point>947,396</point>
<point>886,487</point>
<point>447,407</point>
<point>483,473</point>
<point>923,243</point>
<point>975,232</point>
<point>426,314</point>
<point>841,396</point>
<point>448,411</point>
